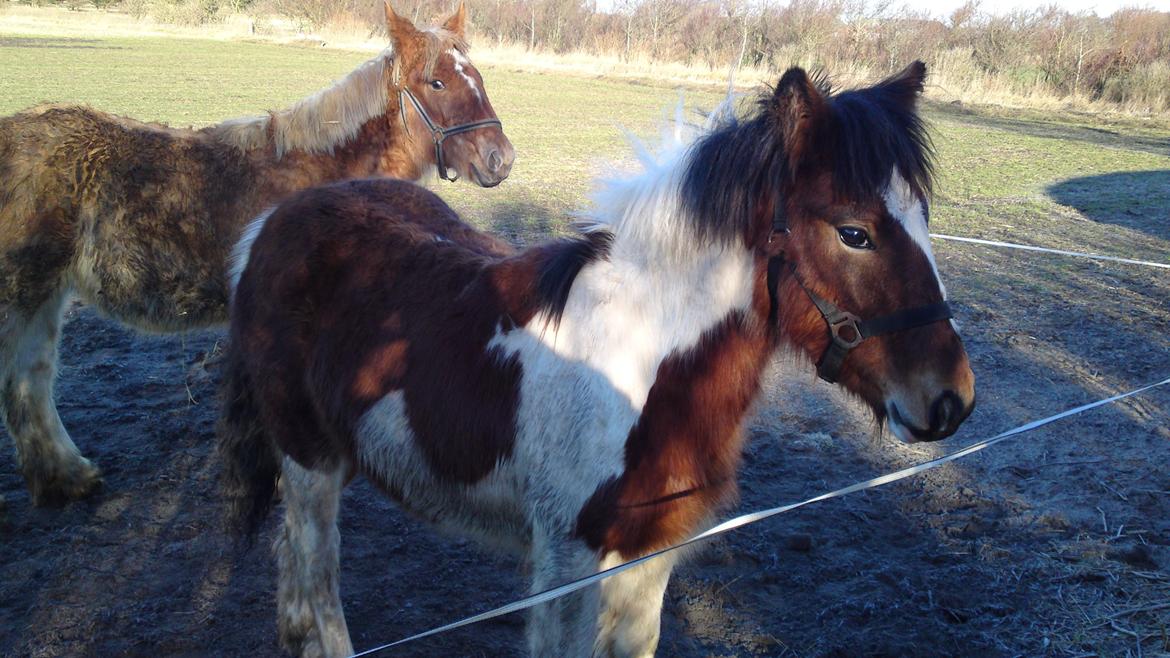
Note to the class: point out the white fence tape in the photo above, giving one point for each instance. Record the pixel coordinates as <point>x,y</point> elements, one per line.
<point>1025,247</point>
<point>746,519</point>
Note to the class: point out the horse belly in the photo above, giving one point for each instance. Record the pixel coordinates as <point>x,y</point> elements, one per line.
<point>490,510</point>
<point>154,269</point>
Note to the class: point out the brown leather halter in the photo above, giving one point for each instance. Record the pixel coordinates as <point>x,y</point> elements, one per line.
<point>438,133</point>
<point>846,330</point>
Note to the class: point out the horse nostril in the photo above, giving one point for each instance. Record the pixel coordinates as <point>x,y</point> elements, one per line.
<point>946,412</point>
<point>495,161</point>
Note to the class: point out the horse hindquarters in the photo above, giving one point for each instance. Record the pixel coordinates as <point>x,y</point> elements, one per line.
<point>251,463</point>
<point>307,546</point>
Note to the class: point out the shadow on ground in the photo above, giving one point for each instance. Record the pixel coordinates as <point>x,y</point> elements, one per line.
<point>1136,200</point>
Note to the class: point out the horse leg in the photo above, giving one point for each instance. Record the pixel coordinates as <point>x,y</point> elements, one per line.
<point>566,626</point>
<point>53,468</point>
<point>631,607</point>
<point>309,615</point>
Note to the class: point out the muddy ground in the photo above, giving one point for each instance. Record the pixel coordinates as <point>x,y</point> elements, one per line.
<point>1056,543</point>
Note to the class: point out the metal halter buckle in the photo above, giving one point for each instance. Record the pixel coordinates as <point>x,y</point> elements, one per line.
<point>846,330</point>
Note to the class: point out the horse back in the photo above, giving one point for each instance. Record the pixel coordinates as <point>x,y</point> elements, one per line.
<point>366,289</point>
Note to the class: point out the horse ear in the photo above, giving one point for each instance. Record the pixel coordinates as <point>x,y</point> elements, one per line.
<point>796,105</point>
<point>907,84</point>
<point>457,21</point>
<point>401,30</point>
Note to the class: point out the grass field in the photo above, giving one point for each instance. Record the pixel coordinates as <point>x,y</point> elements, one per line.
<point>1003,556</point>
<point>566,129</point>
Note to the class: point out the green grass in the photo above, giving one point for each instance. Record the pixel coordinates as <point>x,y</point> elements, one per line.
<point>565,130</point>
<point>997,170</point>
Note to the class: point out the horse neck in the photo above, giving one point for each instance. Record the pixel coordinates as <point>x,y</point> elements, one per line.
<point>380,148</point>
<point>669,350</point>
<point>659,295</point>
<point>349,130</point>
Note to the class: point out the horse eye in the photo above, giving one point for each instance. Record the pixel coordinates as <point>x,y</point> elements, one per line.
<point>437,85</point>
<point>855,237</point>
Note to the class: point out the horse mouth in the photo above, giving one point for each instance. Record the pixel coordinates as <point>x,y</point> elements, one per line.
<point>485,180</point>
<point>906,432</point>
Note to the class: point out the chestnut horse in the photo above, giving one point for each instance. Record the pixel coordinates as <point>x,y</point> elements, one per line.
<point>139,219</point>
<point>582,401</point>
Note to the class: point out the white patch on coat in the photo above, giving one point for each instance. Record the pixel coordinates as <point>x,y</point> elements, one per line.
<point>907,207</point>
<point>242,251</point>
<point>586,380</point>
<point>460,62</point>
<point>490,510</point>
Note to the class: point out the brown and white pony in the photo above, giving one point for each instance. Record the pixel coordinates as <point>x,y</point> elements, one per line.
<point>139,219</point>
<point>582,401</point>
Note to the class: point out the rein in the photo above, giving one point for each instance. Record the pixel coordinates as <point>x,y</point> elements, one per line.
<point>846,330</point>
<point>438,133</point>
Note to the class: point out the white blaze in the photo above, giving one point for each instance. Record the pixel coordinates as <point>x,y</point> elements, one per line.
<point>905,206</point>
<point>460,62</point>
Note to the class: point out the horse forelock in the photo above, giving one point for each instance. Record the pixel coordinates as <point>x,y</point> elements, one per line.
<point>866,137</point>
<point>435,42</point>
<point>876,134</point>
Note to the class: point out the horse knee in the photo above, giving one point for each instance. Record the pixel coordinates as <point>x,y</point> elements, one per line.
<point>631,618</point>
<point>565,626</point>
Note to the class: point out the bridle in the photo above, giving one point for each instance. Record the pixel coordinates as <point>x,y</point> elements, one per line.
<point>846,330</point>
<point>438,133</point>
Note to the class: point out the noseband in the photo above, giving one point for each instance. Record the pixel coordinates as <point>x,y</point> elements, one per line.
<point>438,133</point>
<point>846,330</point>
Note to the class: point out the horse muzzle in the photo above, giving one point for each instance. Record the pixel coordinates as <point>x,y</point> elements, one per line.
<point>942,418</point>
<point>494,167</point>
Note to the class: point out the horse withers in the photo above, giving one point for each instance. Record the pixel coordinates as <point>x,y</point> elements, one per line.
<point>582,402</point>
<point>139,219</point>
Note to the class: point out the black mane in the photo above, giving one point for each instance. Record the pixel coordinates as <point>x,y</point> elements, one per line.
<point>864,134</point>
<point>562,262</point>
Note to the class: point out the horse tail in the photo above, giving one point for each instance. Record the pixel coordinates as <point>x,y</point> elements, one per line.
<point>251,461</point>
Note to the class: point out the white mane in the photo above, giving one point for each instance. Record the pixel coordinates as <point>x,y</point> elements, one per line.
<point>645,208</point>
<point>323,121</point>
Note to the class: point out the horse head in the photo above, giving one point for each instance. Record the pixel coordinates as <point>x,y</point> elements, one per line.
<point>442,102</point>
<point>850,263</point>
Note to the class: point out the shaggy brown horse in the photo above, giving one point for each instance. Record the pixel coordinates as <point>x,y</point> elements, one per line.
<point>583,401</point>
<point>139,219</point>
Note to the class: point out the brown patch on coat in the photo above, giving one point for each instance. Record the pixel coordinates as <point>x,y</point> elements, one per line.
<point>683,452</point>
<point>366,288</point>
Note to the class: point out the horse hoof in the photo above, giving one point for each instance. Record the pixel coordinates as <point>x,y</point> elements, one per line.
<point>80,480</point>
